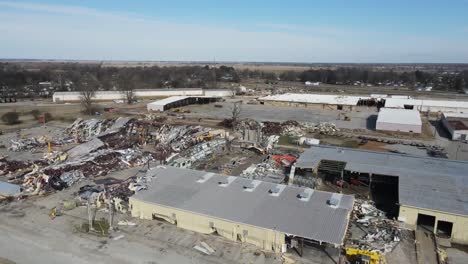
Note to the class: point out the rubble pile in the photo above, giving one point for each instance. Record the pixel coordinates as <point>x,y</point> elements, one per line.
<point>292,128</point>
<point>233,163</point>
<point>269,142</point>
<point>26,144</point>
<point>119,140</point>
<point>248,124</point>
<point>272,128</point>
<point>86,129</point>
<point>382,234</point>
<point>15,166</point>
<point>203,150</point>
<point>432,150</point>
<point>327,128</point>
<point>179,138</point>
<point>99,163</point>
<point>109,145</point>
<point>297,129</point>
<point>155,118</point>
<point>268,170</point>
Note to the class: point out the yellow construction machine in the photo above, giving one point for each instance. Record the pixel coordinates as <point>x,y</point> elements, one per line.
<point>360,256</point>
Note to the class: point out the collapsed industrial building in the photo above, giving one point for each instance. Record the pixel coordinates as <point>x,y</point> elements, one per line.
<point>419,191</point>
<point>271,216</point>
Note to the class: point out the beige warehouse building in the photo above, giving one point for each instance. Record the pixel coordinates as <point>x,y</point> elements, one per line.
<point>421,191</point>
<point>270,216</point>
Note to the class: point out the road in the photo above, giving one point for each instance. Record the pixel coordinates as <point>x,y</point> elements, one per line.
<point>37,242</point>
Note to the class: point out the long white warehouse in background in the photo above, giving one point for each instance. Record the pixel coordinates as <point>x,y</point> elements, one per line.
<point>428,105</point>
<point>350,102</point>
<point>60,97</point>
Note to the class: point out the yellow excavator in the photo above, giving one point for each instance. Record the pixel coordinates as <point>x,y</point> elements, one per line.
<point>360,256</point>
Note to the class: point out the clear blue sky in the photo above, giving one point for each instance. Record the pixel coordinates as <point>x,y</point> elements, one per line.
<point>291,31</point>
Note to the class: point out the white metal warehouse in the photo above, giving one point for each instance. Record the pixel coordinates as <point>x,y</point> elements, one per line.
<point>332,101</point>
<point>399,120</point>
<point>178,101</point>
<point>261,213</point>
<point>62,97</point>
<point>425,105</point>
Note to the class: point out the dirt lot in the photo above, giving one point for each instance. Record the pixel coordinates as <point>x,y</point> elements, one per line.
<point>64,113</point>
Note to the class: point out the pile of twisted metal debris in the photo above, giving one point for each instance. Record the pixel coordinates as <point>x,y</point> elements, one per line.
<point>381,234</point>
<point>102,146</point>
<point>298,129</point>
<point>268,170</point>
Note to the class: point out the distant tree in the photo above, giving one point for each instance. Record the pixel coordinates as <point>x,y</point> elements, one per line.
<point>291,76</point>
<point>458,83</point>
<point>10,118</point>
<point>236,110</point>
<point>35,113</point>
<point>47,117</point>
<point>87,88</point>
<point>161,153</point>
<point>126,86</point>
<point>419,75</point>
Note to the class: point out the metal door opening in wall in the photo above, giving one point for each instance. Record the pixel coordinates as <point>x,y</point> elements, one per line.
<point>426,222</point>
<point>444,229</point>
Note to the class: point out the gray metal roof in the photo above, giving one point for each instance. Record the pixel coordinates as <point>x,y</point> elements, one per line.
<point>436,184</point>
<point>310,218</point>
<point>8,189</point>
<point>85,148</point>
<point>119,123</point>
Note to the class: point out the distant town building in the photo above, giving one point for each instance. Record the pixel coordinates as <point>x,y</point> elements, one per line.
<point>312,83</point>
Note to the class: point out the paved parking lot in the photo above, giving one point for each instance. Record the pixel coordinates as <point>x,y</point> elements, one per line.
<point>359,120</point>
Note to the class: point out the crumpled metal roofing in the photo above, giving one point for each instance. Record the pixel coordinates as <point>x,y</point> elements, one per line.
<point>435,184</point>
<point>8,189</point>
<point>85,148</point>
<point>313,219</point>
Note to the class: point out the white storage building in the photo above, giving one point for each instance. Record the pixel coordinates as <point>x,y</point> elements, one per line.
<point>166,103</point>
<point>400,120</point>
<point>178,101</point>
<point>456,124</point>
